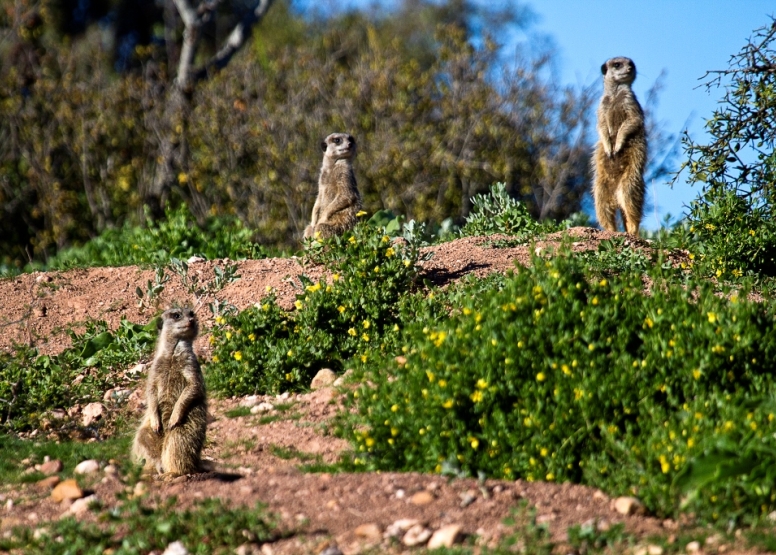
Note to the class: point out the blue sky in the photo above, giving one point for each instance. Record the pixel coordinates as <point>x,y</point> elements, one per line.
<point>683,37</point>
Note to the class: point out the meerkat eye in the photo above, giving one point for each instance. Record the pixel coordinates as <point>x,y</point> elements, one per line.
<point>617,65</point>
<point>176,315</point>
<point>337,140</point>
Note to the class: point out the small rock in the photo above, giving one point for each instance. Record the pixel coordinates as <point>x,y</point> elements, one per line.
<point>324,378</point>
<point>628,506</point>
<point>283,396</point>
<point>693,547</point>
<point>446,536</point>
<point>48,483</point>
<point>140,489</point>
<point>399,527</point>
<point>772,516</point>
<point>422,498</point>
<point>416,535</point>
<point>467,498</point>
<point>331,550</point>
<point>87,467</point>
<point>266,549</point>
<point>66,490</point>
<point>92,413</point>
<point>49,467</point>
<point>339,382</point>
<point>599,495</point>
<point>262,408</point>
<point>116,395</point>
<point>111,470</point>
<point>246,549</point>
<point>176,548</point>
<point>9,506</point>
<point>81,506</point>
<point>369,531</point>
<point>401,360</point>
<point>43,278</point>
<point>250,401</point>
<point>137,369</point>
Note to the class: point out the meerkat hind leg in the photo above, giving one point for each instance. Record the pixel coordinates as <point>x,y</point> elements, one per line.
<point>147,447</point>
<point>180,455</point>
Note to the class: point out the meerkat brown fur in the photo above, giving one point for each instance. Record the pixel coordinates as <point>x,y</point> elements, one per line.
<point>621,152</point>
<point>338,199</point>
<point>172,432</point>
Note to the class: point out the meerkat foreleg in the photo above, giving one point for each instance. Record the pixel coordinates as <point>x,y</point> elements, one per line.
<point>628,127</point>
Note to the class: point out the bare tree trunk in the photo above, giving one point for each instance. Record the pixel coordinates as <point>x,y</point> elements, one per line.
<point>173,155</point>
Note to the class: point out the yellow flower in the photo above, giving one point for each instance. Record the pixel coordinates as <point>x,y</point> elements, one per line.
<point>341,309</point>
<point>696,374</point>
<point>474,442</point>
<point>476,396</point>
<point>566,369</point>
<point>313,288</point>
<point>394,408</point>
<point>385,239</point>
<point>595,301</point>
<point>366,324</point>
<point>448,404</point>
<point>237,355</point>
<point>481,384</point>
<point>712,317</point>
<point>335,277</point>
<point>550,477</point>
<point>352,240</point>
<point>183,178</point>
<point>228,335</point>
<point>298,304</point>
<point>289,377</point>
<point>540,377</point>
<point>220,320</point>
<point>751,232</point>
<point>603,282</point>
<point>389,252</point>
<point>442,383</point>
<point>215,358</point>
<point>648,322</point>
<point>352,332</point>
<point>377,269</point>
<point>361,214</point>
<point>543,452</point>
<point>365,337</point>
<point>290,353</point>
<point>407,263</point>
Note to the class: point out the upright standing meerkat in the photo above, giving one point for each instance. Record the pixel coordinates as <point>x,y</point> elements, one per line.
<point>338,199</point>
<point>621,152</point>
<point>172,431</point>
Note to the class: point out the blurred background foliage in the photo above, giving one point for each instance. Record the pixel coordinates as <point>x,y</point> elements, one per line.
<point>440,112</point>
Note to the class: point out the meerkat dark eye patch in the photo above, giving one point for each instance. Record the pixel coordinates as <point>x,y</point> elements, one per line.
<point>176,315</point>
<point>337,140</point>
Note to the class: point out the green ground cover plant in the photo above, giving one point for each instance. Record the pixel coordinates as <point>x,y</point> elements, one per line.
<point>32,384</point>
<point>265,349</point>
<point>564,375</point>
<point>498,212</point>
<point>158,242</point>
<point>135,528</point>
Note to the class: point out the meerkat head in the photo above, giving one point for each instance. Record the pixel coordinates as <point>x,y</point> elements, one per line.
<point>620,70</point>
<point>338,146</point>
<point>179,323</point>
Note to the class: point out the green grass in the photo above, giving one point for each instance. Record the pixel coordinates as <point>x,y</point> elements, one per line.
<point>69,452</point>
<point>136,528</point>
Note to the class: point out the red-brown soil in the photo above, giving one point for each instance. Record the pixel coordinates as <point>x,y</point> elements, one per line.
<point>249,453</point>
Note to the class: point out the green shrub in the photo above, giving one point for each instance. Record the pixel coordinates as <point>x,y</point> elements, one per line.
<point>566,376</point>
<point>176,236</point>
<point>497,212</point>
<point>32,384</point>
<point>266,349</point>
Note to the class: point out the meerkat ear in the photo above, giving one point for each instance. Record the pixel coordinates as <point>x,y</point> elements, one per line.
<point>323,146</point>
<point>159,323</point>
<point>603,68</point>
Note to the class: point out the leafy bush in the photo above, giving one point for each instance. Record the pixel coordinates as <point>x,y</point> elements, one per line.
<point>497,212</point>
<point>733,221</point>
<point>176,236</point>
<point>563,376</point>
<point>265,349</point>
<point>135,528</point>
<point>32,384</point>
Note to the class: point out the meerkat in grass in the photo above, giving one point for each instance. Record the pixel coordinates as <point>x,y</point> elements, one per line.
<point>621,153</point>
<point>172,432</point>
<point>338,201</point>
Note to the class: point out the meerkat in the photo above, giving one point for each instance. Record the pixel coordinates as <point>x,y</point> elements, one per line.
<point>172,432</point>
<point>338,199</point>
<point>621,153</point>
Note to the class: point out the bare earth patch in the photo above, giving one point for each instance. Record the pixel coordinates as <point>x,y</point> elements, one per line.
<point>257,457</point>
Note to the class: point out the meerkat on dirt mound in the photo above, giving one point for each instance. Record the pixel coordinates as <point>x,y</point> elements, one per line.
<point>621,153</point>
<point>338,199</point>
<point>172,432</point>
